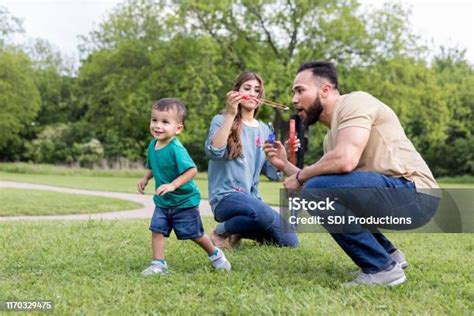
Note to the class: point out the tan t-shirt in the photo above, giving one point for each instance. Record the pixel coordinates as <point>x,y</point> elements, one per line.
<point>388,149</point>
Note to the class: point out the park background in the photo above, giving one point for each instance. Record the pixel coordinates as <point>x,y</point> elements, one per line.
<point>86,126</point>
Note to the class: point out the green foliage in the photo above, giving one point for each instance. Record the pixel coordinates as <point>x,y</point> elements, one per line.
<point>59,144</point>
<point>9,25</point>
<point>54,78</point>
<point>89,153</point>
<point>19,98</point>
<point>52,145</point>
<point>146,50</point>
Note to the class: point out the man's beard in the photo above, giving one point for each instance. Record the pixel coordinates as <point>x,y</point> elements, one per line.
<point>312,115</point>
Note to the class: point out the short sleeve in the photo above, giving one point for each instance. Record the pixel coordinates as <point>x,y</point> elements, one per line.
<point>183,159</point>
<point>356,111</point>
<point>326,144</point>
<point>213,152</point>
<point>148,155</point>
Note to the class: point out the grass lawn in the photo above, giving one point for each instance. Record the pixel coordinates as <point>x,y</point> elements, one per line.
<point>269,190</point>
<point>93,267</point>
<point>34,202</point>
<point>126,180</point>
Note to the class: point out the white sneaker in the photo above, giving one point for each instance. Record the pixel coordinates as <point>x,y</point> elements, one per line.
<point>392,277</point>
<point>399,258</point>
<point>156,267</point>
<point>219,261</point>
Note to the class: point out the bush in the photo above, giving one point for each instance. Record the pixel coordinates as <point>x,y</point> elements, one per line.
<point>60,144</point>
<point>89,153</point>
<point>452,159</point>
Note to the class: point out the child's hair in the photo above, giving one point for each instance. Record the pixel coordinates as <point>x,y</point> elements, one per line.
<point>167,104</point>
<point>234,143</point>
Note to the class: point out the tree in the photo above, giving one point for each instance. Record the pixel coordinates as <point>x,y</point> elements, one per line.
<point>146,50</point>
<point>53,74</point>
<point>19,100</point>
<point>9,25</point>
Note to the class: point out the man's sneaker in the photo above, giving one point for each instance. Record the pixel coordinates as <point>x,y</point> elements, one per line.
<point>220,241</point>
<point>156,267</point>
<point>219,261</point>
<point>399,258</point>
<point>235,241</point>
<point>392,277</point>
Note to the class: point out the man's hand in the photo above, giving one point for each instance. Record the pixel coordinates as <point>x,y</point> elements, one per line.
<point>276,154</point>
<point>292,183</point>
<point>165,188</point>
<point>141,185</point>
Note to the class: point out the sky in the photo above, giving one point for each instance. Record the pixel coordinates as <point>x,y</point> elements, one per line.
<point>440,22</point>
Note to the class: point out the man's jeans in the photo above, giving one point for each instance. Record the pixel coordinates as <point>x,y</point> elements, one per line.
<point>366,194</point>
<point>243,214</point>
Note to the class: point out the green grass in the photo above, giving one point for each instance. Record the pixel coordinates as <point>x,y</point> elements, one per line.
<point>32,202</point>
<point>468,179</point>
<point>94,267</point>
<point>100,183</point>
<point>269,190</point>
<point>29,168</point>
<point>126,180</point>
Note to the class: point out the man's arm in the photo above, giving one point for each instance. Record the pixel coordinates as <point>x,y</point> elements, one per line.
<point>350,143</point>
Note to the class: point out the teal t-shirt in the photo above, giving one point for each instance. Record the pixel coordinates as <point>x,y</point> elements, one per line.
<point>167,164</point>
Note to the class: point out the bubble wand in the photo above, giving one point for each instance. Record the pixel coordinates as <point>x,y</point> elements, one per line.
<point>267,102</point>
<point>292,142</point>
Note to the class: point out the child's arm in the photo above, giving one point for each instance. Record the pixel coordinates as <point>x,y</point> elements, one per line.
<point>187,176</point>
<point>144,181</point>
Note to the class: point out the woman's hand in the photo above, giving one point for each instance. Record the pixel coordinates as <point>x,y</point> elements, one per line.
<point>233,100</point>
<point>296,146</point>
<point>276,154</point>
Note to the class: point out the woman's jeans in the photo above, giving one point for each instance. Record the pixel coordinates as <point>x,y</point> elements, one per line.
<point>243,214</point>
<point>364,194</point>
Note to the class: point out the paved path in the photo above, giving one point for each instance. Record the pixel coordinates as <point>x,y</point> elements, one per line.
<point>145,212</point>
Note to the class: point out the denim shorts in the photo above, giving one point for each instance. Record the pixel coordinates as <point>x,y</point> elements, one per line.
<point>186,222</point>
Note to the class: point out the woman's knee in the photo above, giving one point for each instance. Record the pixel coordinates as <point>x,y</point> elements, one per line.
<point>262,217</point>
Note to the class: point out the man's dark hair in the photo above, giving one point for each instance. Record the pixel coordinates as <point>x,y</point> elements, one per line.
<point>167,104</point>
<point>321,69</point>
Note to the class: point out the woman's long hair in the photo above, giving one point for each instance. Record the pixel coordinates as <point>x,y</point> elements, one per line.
<point>234,143</point>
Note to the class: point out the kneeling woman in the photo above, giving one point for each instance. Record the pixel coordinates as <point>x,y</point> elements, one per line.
<point>236,160</point>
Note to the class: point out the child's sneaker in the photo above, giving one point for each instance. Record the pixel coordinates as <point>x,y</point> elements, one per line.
<point>219,261</point>
<point>156,267</point>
